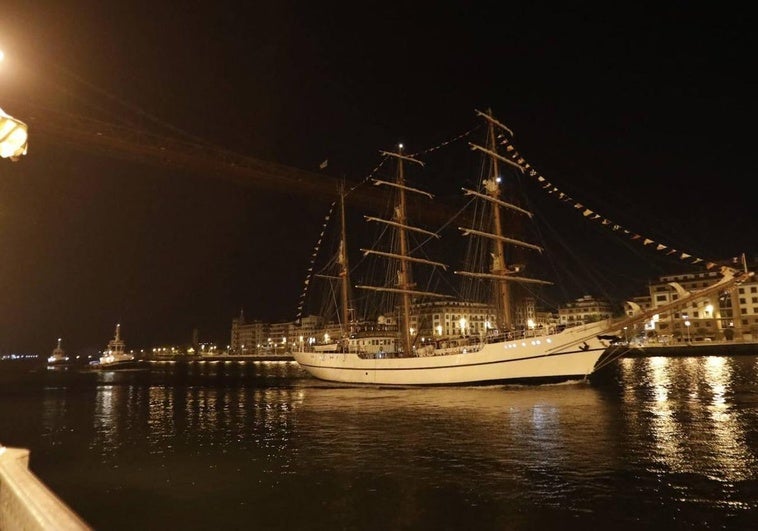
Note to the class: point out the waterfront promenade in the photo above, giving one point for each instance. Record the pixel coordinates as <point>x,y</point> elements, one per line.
<point>224,357</point>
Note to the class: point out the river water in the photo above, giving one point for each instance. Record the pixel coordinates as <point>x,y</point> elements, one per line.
<point>653,443</point>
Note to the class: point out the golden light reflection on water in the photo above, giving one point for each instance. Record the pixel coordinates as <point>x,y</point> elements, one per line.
<point>105,420</point>
<point>664,438</point>
<point>472,433</point>
<point>687,407</point>
<point>217,410</point>
<point>733,458</point>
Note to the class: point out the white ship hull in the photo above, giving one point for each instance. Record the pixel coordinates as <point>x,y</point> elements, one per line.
<point>568,355</point>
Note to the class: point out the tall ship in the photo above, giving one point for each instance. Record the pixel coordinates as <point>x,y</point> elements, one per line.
<point>513,347</point>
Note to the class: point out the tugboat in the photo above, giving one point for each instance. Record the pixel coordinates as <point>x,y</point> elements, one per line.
<point>58,358</point>
<point>115,357</point>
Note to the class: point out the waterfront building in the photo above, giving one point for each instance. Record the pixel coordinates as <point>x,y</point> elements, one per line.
<point>310,327</point>
<point>451,318</point>
<point>643,302</point>
<point>246,338</point>
<point>280,338</point>
<point>731,315</point>
<point>586,309</point>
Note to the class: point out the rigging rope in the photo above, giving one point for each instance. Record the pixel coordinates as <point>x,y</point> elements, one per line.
<point>317,247</point>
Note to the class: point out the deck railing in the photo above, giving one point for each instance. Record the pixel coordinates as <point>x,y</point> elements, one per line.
<point>27,503</point>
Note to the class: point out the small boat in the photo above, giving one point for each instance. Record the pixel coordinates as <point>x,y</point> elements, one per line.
<point>58,358</point>
<point>115,357</point>
<point>512,346</point>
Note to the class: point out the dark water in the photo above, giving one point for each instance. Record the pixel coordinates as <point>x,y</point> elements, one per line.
<point>656,443</point>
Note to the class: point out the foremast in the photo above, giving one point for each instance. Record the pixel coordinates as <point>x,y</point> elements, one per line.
<point>404,286</point>
<point>340,273</point>
<point>499,271</point>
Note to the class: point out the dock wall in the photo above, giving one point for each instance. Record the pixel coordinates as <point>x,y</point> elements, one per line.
<point>26,503</point>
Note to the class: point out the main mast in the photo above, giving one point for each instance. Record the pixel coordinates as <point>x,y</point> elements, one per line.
<point>502,290</point>
<point>404,281</point>
<point>499,271</point>
<point>404,285</point>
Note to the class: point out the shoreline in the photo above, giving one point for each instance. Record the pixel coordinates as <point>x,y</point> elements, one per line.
<point>224,357</point>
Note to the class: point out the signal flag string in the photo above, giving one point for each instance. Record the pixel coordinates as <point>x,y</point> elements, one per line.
<point>317,247</point>
<point>551,189</point>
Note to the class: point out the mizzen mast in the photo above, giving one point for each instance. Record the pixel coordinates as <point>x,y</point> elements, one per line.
<point>344,271</point>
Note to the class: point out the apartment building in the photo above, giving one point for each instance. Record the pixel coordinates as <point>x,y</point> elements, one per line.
<point>728,315</point>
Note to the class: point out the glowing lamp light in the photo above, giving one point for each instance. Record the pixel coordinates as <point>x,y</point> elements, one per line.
<point>13,137</point>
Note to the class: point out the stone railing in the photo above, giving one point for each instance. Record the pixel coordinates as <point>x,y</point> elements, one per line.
<point>26,503</point>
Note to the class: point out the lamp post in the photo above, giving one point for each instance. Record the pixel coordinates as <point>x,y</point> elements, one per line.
<point>687,325</point>
<point>13,134</point>
<point>13,137</point>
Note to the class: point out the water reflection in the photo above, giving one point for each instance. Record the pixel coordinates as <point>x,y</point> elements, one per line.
<point>177,407</point>
<point>730,458</point>
<point>54,410</point>
<point>691,410</point>
<point>480,438</point>
<point>666,439</point>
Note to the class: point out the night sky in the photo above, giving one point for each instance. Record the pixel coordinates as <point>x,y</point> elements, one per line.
<point>647,110</point>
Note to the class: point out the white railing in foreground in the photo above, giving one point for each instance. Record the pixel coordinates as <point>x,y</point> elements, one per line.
<point>26,503</point>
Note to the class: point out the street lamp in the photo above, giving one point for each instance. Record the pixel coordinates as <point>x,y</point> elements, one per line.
<point>13,137</point>
<point>13,134</point>
<point>687,325</point>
